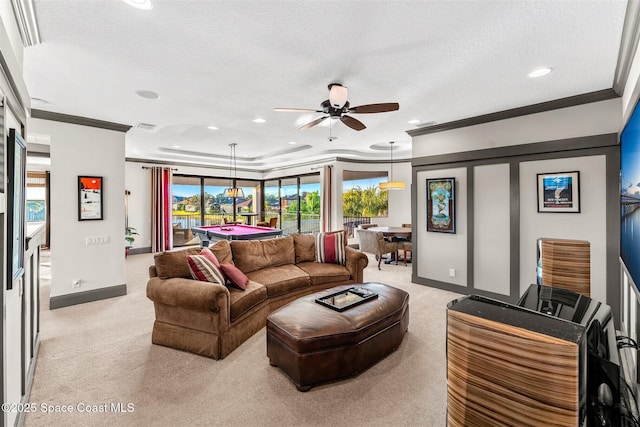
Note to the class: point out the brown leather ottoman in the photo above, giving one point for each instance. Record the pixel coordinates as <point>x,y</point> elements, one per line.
<point>313,344</point>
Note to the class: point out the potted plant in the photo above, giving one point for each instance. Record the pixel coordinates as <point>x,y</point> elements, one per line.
<point>129,232</point>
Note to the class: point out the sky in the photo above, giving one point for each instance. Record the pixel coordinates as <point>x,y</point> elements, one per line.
<point>630,156</point>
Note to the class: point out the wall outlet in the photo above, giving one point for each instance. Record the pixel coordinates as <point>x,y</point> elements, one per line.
<point>452,272</point>
<point>75,283</point>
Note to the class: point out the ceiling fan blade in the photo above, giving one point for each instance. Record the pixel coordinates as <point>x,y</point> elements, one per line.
<point>352,123</point>
<point>375,108</point>
<point>313,123</point>
<point>297,110</point>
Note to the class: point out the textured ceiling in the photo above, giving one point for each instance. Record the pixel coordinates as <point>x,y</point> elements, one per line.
<point>224,63</point>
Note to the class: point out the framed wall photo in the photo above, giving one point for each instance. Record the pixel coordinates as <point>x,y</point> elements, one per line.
<point>90,190</point>
<point>16,202</point>
<point>559,192</point>
<point>441,212</point>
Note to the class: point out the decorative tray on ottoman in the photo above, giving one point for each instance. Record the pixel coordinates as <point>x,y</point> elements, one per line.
<point>340,301</point>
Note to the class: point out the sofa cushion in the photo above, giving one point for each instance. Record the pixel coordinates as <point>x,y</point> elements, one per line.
<point>202,268</point>
<point>236,277</point>
<point>305,247</point>
<point>280,280</point>
<point>252,255</point>
<point>321,273</point>
<point>243,301</point>
<point>222,251</point>
<point>174,264</point>
<point>330,248</point>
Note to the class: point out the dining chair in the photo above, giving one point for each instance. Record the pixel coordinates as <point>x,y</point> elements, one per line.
<point>273,222</point>
<point>373,242</point>
<point>406,246</point>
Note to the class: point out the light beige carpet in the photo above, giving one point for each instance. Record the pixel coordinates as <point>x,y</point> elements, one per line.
<point>98,354</point>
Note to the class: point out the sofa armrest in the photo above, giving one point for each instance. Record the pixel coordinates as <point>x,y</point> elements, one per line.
<point>356,263</point>
<point>188,293</point>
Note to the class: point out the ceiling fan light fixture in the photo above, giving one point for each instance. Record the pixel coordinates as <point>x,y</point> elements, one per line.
<point>338,95</point>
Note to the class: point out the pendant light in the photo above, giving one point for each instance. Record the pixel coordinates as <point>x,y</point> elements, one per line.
<point>233,192</point>
<point>391,184</point>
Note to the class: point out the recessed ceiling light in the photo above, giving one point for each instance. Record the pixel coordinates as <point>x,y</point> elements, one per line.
<point>539,72</point>
<point>149,94</point>
<point>292,142</point>
<point>259,120</point>
<point>140,4</point>
<point>414,121</point>
<point>212,127</point>
<point>176,146</point>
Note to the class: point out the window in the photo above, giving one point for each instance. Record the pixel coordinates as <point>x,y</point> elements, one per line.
<point>36,197</point>
<point>272,200</point>
<point>186,208</point>
<point>361,197</point>
<point>309,203</point>
<point>215,206</point>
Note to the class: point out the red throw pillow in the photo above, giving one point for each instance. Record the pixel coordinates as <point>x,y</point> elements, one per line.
<point>207,252</point>
<point>236,277</point>
<point>330,248</point>
<point>203,269</point>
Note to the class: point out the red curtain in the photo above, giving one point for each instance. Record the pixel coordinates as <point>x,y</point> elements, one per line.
<point>325,200</point>
<point>161,234</point>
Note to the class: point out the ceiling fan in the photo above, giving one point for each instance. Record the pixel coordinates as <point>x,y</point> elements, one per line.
<point>338,107</point>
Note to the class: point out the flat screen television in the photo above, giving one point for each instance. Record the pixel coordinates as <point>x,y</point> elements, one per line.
<point>630,196</point>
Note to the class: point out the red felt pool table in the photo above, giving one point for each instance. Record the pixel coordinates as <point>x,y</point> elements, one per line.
<point>214,233</point>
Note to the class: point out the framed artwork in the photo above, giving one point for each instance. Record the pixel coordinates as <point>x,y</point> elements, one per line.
<point>559,192</point>
<point>441,211</point>
<point>16,184</point>
<point>90,190</point>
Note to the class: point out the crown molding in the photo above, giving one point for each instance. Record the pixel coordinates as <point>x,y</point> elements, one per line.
<point>77,120</point>
<point>571,101</point>
<point>25,15</point>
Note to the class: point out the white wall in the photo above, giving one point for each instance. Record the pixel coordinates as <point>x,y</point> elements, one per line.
<point>588,225</point>
<point>82,150</point>
<point>583,120</point>
<point>437,253</point>
<point>491,221</point>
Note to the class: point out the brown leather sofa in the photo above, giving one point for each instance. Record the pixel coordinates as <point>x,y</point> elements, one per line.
<point>212,319</point>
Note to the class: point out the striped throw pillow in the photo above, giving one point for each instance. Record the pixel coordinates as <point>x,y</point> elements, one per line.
<point>330,248</point>
<point>207,252</point>
<point>203,269</point>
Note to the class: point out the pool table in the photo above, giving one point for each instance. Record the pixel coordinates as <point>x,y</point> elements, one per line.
<point>214,233</point>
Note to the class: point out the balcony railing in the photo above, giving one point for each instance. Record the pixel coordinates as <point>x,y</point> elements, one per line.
<point>287,221</point>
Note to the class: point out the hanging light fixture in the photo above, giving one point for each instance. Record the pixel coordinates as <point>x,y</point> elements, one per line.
<point>232,191</point>
<point>391,184</point>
